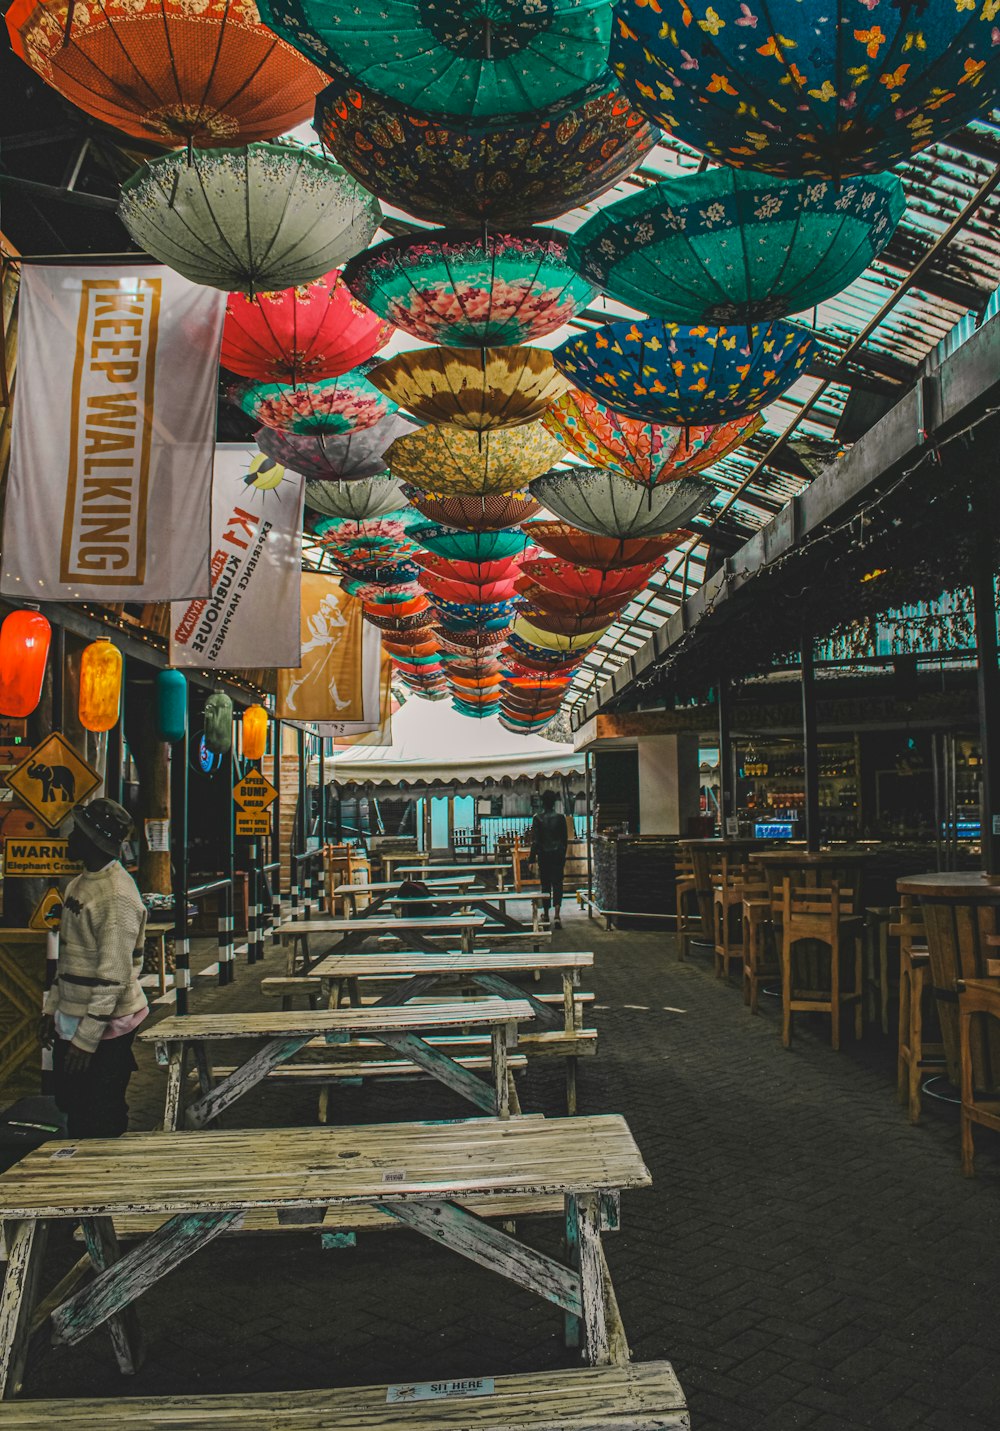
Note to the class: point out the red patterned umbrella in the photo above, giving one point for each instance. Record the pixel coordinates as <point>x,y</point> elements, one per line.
<point>589,583</point>
<point>467,591</point>
<point>173,71</point>
<point>471,573</point>
<point>318,330</point>
<point>462,643</point>
<point>560,602</point>
<point>608,553</point>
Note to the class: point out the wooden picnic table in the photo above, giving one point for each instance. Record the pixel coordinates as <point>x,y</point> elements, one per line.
<point>283,1033</point>
<point>355,932</point>
<point>468,867</point>
<point>418,974</point>
<point>418,858</point>
<point>488,902</point>
<point>383,889</point>
<point>205,1183</point>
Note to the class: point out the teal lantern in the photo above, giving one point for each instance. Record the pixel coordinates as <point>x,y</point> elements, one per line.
<point>219,723</point>
<point>732,246</point>
<point>171,705</point>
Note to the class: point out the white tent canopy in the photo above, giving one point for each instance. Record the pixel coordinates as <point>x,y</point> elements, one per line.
<point>434,745</point>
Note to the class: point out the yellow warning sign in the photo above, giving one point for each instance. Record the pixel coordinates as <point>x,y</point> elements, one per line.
<point>37,859</point>
<point>53,779</point>
<point>48,911</point>
<point>254,792</point>
<point>252,822</point>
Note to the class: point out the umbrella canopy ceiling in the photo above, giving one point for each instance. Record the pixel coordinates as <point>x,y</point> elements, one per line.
<point>430,746</point>
<point>333,406</point>
<point>487,513</point>
<point>254,219</point>
<point>450,459</point>
<point>168,70</point>
<point>479,58</point>
<point>609,505</point>
<point>504,173</point>
<point>363,500</point>
<point>328,457</point>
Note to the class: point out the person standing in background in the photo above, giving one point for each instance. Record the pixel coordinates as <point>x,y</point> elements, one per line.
<point>549,839</point>
<point>96,1002</point>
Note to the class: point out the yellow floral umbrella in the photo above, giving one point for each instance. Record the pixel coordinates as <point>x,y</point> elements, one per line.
<point>452,461</point>
<point>480,390</point>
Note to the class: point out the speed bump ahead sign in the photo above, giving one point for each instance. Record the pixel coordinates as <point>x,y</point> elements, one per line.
<point>254,792</point>
<point>38,859</point>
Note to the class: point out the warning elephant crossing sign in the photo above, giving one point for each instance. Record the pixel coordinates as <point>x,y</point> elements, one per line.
<point>53,780</point>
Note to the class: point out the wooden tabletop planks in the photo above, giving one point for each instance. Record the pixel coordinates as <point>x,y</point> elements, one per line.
<point>389,925</point>
<point>405,962</point>
<point>306,1167</point>
<point>313,1022</point>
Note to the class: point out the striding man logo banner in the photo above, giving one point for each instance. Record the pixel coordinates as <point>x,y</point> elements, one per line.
<point>338,680</point>
<point>252,616</point>
<point>109,490</point>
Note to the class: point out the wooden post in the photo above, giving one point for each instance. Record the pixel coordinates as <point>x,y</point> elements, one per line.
<point>988,683</point>
<point>152,760</point>
<point>727,805</point>
<point>179,858</point>
<point>809,745</point>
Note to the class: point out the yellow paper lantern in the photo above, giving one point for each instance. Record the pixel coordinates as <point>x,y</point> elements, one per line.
<point>100,685</point>
<point>254,732</point>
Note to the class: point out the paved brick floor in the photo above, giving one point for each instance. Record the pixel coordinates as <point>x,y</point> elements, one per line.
<point>805,1258</point>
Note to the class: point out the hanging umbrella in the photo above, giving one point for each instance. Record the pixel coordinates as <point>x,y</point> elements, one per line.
<point>455,545</point>
<point>474,615</point>
<point>331,407</point>
<point>476,58</point>
<point>462,642</point>
<point>449,459</point>
<point>565,578</point>
<point>371,497</point>
<point>663,372</point>
<point>471,292</point>
<point>555,640</point>
<point>563,604</point>
<point>727,246</point>
<point>648,452</point>
<point>347,457</point>
<point>562,623</point>
<point>462,174</point>
<point>318,330</point>
<point>608,553</point>
<point>540,659</point>
<point>266,216</point>
<point>478,391</point>
<point>474,514</point>
<point>168,70</point>
<point>467,573</point>
<point>461,591</point>
<point>610,505</point>
<point>846,87</point>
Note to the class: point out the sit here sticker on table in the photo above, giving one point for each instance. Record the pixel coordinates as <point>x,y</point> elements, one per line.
<point>436,1390</point>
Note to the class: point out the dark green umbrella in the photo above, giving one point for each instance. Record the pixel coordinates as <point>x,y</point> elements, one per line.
<point>732,246</point>
<point>476,58</point>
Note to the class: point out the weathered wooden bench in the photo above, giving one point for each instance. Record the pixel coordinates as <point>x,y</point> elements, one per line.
<point>204,1183</point>
<point>379,891</point>
<point>295,934</point>
<point>282,1035</point>
<point>486,902</point>
<point>647,1397</point>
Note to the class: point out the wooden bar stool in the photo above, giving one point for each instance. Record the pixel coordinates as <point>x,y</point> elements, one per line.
<point>760,962</point>
<point>727,896</point>
<point>686,903</point>
<point>976,997</point>
<point>916,1055</point>
<point>827,917</point>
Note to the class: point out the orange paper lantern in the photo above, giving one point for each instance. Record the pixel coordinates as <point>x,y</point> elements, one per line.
<point>24,649</point>
<point>100,685</point>
<point>254,733</point>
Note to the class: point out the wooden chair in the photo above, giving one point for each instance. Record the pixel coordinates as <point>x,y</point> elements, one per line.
<point>727,897</point>
<point>760,960</point>
<point>827,917</point>
<point>915,1054</point>
<point>686,903</point>
<point>976,997</point>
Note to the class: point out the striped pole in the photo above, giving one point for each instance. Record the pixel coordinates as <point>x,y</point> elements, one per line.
<point>253,896</point>
<point>226,971</point>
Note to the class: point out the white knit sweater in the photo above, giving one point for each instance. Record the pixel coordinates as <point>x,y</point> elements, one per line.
<point>101,932</point>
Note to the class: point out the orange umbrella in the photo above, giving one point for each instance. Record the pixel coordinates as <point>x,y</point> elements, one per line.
<point>168,70</point>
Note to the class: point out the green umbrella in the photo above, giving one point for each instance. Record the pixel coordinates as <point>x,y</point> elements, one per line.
<point>476,58</point>
<point>732,246</point>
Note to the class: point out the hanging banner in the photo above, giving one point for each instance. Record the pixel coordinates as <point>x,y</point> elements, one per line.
<point>109,491</point>
<point>252,617</point>
<point>338,680</point>
<point>377,731</point>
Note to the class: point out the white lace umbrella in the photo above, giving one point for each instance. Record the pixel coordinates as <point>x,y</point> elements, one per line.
<point>369,498</point>
<point>609,505</point>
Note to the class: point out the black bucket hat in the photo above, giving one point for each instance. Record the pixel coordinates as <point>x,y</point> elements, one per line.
<point>105,823</point>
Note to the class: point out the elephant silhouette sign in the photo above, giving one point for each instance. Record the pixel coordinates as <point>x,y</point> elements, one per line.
<point>57,781</point>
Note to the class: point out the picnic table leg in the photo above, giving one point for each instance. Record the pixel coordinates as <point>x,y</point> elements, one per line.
<point>161,962</point>
<point>607,1344</point>
<point>214,1100</point>
<point>443,1068</point>
<point>571,1324</point>
<point>176,1068</point>
<point>468,940</point>
<point>571,1069</point>
<point>204,1067</point>
<point>569,1003</point>
<point>123,1328</point>
<point>498,1049</point>
<point>25,1251</point>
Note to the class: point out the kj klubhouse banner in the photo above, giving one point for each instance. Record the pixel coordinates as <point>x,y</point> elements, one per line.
<point>337,687</point>
<point>109,490</point>
<point>251,618</point>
